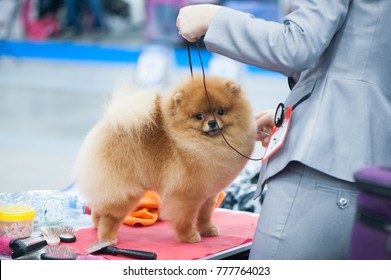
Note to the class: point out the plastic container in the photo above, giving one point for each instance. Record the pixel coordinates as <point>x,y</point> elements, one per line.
<point>16,221</point>
<point>61,208</point>
<point>52,206</point>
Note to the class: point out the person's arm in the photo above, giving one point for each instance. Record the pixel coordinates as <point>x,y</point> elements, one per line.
<point>289,47</point>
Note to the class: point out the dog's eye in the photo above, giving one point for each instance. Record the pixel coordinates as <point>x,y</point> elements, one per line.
<point>199,117</point>
<point>220,112</point>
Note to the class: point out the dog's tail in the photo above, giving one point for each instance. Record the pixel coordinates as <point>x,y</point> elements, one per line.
<point>132,108</point>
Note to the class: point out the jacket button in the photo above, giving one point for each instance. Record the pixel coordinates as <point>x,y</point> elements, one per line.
<point>343,203</point>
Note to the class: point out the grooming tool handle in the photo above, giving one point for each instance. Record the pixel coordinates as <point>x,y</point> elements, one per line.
<point>135,254</point>
<point>28,249</point>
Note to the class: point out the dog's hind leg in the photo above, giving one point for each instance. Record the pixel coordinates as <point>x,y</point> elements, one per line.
<point>107,218</point>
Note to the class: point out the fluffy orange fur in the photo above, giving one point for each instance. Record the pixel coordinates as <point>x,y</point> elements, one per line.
<point>170,144</point>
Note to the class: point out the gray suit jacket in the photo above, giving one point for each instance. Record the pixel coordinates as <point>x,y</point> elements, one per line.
<point>339,50</point>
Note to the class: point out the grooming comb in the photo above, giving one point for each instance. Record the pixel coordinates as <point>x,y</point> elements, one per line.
<point>67,234</point>
<point>58,252</point>
<point>51,235</point>
<point>105,247</point>
<point>55,235</point>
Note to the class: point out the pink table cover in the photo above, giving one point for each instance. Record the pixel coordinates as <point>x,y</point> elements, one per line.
<point>235,229</point>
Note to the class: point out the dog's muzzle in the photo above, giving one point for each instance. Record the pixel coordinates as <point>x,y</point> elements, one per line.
<point>213,128</point>
<point>212,124</point>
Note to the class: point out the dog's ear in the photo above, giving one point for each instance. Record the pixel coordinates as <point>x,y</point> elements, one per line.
<point>177,98</point>
<point>232,87</point>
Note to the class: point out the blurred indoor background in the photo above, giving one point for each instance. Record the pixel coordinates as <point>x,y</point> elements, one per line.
<point>61,59</point>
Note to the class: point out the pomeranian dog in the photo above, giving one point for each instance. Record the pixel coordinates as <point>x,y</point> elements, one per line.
<point>171,144</point>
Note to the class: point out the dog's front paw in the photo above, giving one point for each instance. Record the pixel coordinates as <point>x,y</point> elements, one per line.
<point>192,237</point>
<point>209,229</point>
<point>111,238</point>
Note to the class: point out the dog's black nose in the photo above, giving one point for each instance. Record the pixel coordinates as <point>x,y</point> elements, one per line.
<point>212,124</point>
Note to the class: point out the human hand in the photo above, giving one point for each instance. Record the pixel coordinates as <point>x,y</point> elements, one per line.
<point>264,122</point>
<point>193,20</point>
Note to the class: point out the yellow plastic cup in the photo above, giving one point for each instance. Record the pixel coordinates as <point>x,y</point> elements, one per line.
<point>16,221</point>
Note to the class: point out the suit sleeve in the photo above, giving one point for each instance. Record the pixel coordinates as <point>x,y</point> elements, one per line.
<point>288,47</point>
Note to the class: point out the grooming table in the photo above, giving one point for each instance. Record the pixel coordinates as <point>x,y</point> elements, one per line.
<point>236,233</point>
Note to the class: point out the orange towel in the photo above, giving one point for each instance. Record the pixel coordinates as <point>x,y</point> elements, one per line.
<point>220,199</point>
<point>146,213</point>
